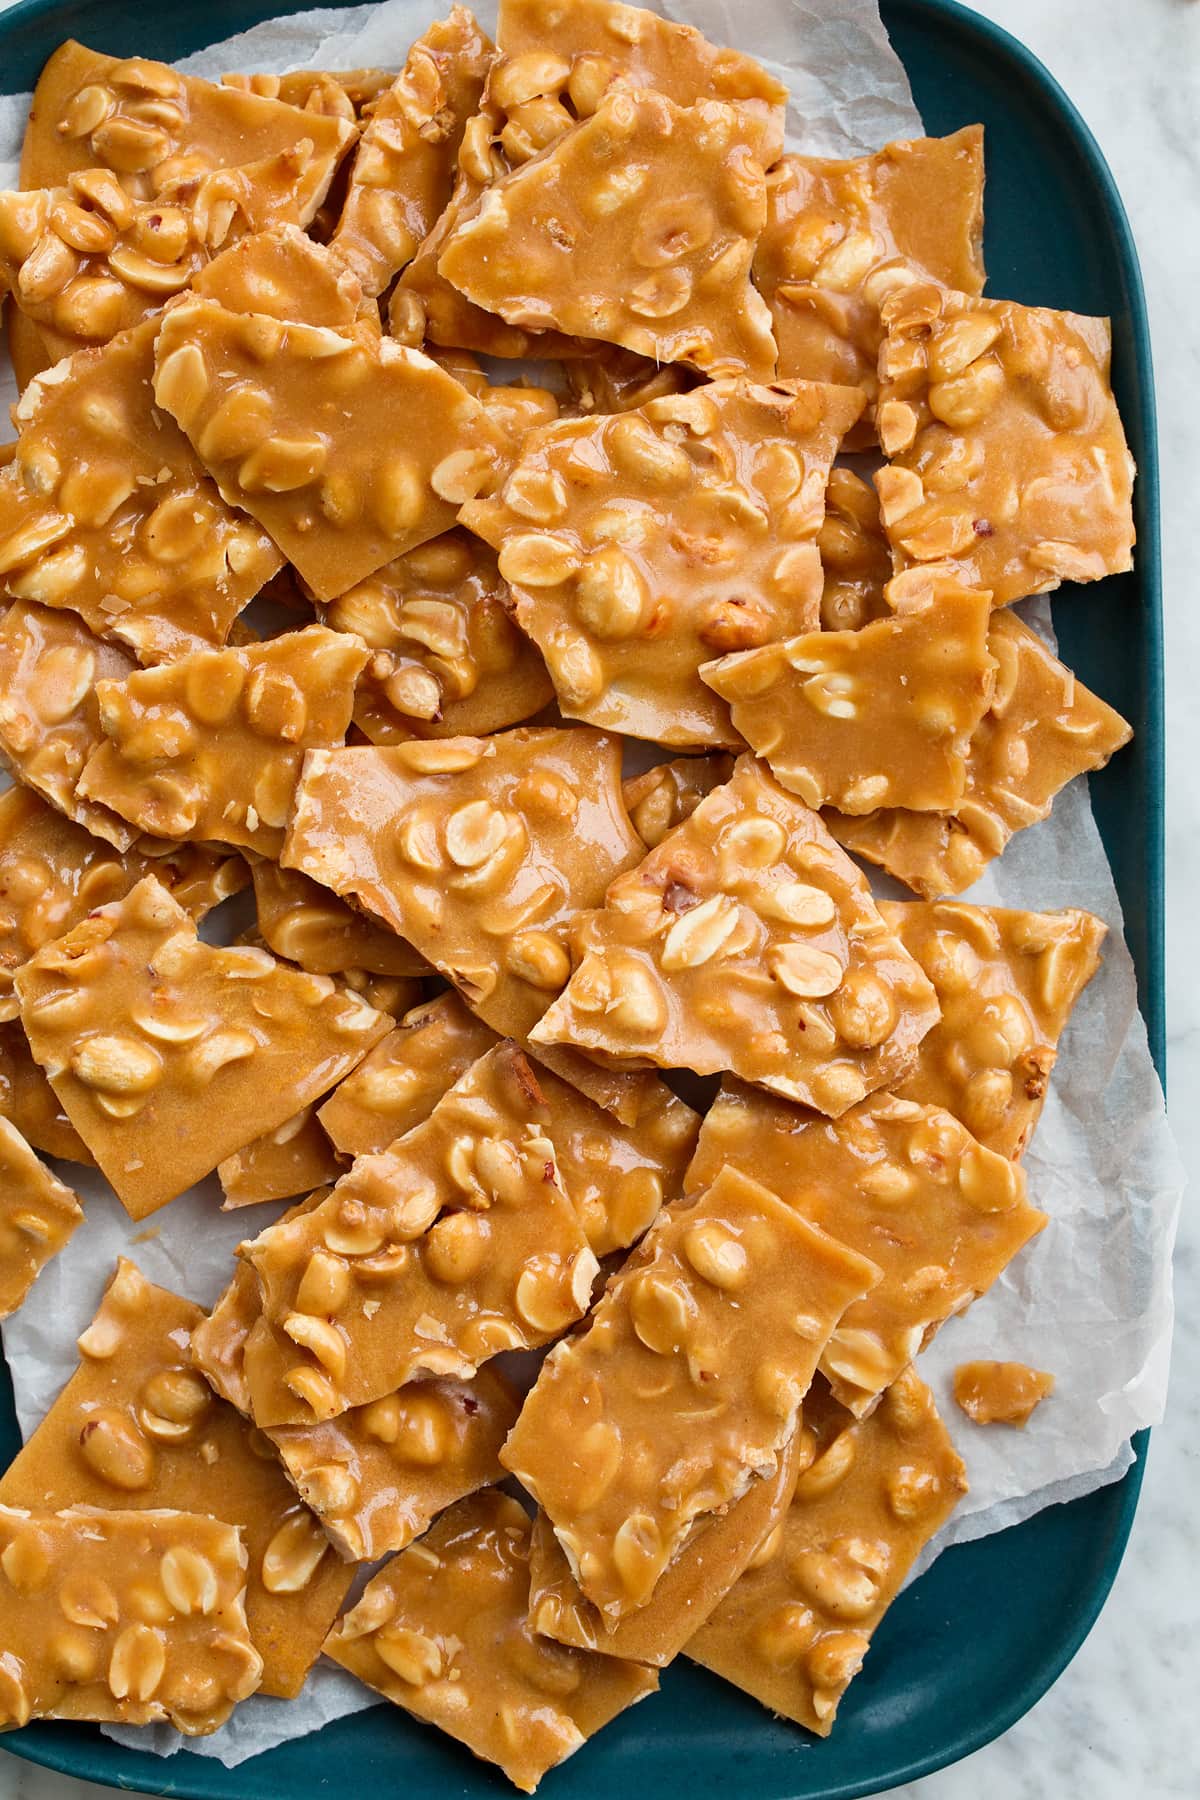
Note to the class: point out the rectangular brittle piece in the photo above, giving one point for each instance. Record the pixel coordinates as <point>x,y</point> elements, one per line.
<point>38,1213</point>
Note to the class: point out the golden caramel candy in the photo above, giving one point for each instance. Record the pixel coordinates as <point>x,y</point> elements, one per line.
<point>670,792</point>
<point>427,1259</point>
<point>840,236</point>
<point>624,610</point>
<point>479,851</point>
<point>1004,1393</point>
<point>305,923</point>
<point>795,1629</point>
<point>638,227</point>
<point>26,348</point>
<point>1006,982</point>
<point>154,127</point>
<point>136,1427</point>
<point>685,1384</point>
<point>378,1476</point>
<point>294,1158</point>
<point>107,511</point>
<point>340,93</point>
<point>283,274</point>
<point>441,1631</point>
<point>404,166</point>
<point>1008,463</point>
<point>38,1213</point>
<point>747,942</point>
<point>126,1617</point>
<point>880,716</point>
<point>854,554</point>
<point>29,1102</point>
<point>1042,728</point>
<point>906,1185</point>
<point>613,381</point>
<point>168,1053</point>
<point>448,660</point>
<point>297,424</point>
<point>218,1341</point>
<point>211,745</point>
<point>720,1547</point>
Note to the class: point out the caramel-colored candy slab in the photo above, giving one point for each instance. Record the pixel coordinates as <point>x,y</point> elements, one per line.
<point>1003,1393</point>
<point>841,235</point>
<point>397,1084</point>
<point>378,1476</point>
<point>686,1383</point>
<point>637,227</point>
<point>107,511</point>
<point>616,381</point>
<point>297,424</point>
<point>211,746</point>
<point>1006,982</point>
<point>125,1617</point>
<point>283,274</point>
<point>38,1213</point>
<point>448,660</point>
<point>479,851</point>
<point>294,1158</point>
<point>305,923</point>
<point>661,799</point>
<point>854,554</point>
<point>454,1244</point>
<point>442,1632</point>
<point>136,1426</point>
<point>1042,728</point>
<point>880,716</point>
<point>152,126</point>
<point>29,1102</point>
<point>720,1548</point>
<point>795,1629</point>
<point>640,546</point>
<point>1008,461</point>
<point>906,1185</point>
<point>406,159</point>
<point>168,1054</point>
<point>747,942</point>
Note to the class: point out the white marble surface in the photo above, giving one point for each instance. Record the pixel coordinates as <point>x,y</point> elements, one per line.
<point>1120,1721</point>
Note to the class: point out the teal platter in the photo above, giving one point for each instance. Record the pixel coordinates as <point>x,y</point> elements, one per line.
<point>977,1640</point>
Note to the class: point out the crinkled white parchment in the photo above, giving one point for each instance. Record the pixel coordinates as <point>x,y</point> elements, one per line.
<point>1090,1299</point>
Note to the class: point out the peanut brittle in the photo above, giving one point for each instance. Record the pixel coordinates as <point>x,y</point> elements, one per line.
<point>479,851</point>
<point>340,93</point>
<point>902,1183</point>
<point>218,1340</point>
<point>285,275</point>
<point>625,606</point>
<point>107,511</point>
<point>427,1259</point>
<point>637,226</point>
<point>294,1158</point>
<point>404,166</point>
<point>1008,461</point>
<point>747,942</point>
<point>136,1426</point>
<point>308,925</point>
<point>378,1476</point>
<point>38,1213</point>
<point>720,1547</point>
<point>26,348</point>
<point>841,235</point>
<point>1005,1393</point>
<point>154,126</point>
<point>397,1084</point>
<point>441,1631</point>
<point>169,1054</point>
<point>29,1102</point>
<point>448,660</point>
<point>1041,729</point>
<point>127,1617</point>
<point>854,554</point>
<point>297,424</point>
<point>1006,982</point>
<point>795,1629</point>
<point>880,716</point>
<point>211,745</point>
<point>670,792</point>
<point>614,381</point>
<point>685,1383</point>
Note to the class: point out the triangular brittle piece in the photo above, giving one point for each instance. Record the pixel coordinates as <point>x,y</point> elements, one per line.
<point>168,1054</point>
<point>902,1183</point>
<point>397,1084</point>
<point>747,942</point>
<point>1006,982</point>
<point>210,746</point>
<point>309,926</point>
<point>295,1158</point>
<point>624,607</point>
<point>638,227</point>
<point>881,716</point>
<point>1042,728</point>
<point>38,1213</point>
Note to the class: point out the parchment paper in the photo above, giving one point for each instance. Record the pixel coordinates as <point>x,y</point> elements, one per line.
<point>1090,1299</point>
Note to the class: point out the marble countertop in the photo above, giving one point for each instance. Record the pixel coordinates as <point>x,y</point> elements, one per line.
<point>1118,1722</point>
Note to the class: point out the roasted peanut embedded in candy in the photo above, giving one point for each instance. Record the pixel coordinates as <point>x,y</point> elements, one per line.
<point>398,1084</point>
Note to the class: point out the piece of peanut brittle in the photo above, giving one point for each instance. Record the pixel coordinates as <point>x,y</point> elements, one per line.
<point>442,1632</point>
<point>747,942</point>
<point>29,1102</point>
<point>667,794</point>
<point>1000,1393</point>
<point>1007,458</point>
<point>285,275</point>
<point>292,1159</point>
<point>613,381</point>
<point>339,93</point>
<point>1041,729</point>
<point>397,1084</point>
<point>306,923</point>
<point>134,1019</point>
<point>795,1629</point>
<point>38,1213</point>
<point>854,554</point>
